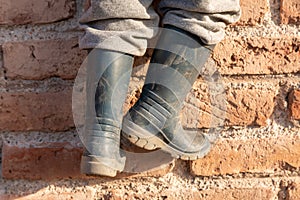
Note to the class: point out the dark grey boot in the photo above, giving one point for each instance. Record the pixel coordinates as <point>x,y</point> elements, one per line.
<point>153,122</point>
<point>108,75</point>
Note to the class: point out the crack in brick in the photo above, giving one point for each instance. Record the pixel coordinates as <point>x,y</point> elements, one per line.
<point>32,49</point>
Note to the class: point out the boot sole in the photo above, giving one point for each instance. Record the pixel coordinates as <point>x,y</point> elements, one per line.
<point>89,166</point>
<point>153,142</point>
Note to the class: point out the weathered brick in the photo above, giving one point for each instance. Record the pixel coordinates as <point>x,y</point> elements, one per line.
<point>207,194</point>
<point>253,12</point>
<point>232,194</point>
<point>249,155</point>
<point>139,160</point>
<point>293,191</point>
<point>290,11</point>
<point>42,59</point>
<point>249,106</point>
<point>7,197</point>
<point>170,194</point>
<point>45,195</point>
<point>56,160</point>
<point>51,160</point>
<point>14,12</point>
<point>28,111</point>
<point>258,55</point>
<point>50,195</point>
<point>294,104</point>
<point>238,106</point>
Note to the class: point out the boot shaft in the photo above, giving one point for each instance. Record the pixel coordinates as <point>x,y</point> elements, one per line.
<point>108,75</point>
<point>176,63</point>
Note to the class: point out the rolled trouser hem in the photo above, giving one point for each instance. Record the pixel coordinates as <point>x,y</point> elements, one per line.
<point>133,42</point>
<point>122,42</point>
<point>206,36</point>
<point>208,31</point>
<point>206,19</point>
<point>120,26</point>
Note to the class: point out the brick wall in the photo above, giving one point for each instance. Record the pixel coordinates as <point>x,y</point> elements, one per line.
<point>257,155</point>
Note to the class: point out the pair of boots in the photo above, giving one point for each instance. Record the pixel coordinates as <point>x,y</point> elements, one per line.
<point>154,121</point>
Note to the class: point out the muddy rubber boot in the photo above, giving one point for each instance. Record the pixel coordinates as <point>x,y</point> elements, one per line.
<point>154,121</point>
<point>108,75</point>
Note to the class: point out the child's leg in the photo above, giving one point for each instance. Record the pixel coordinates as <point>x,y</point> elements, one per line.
<point>191,29</point>
<point>116,30</point>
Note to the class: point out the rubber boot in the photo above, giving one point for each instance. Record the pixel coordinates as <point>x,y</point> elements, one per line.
<point>154,121</point>
<point>108,75</point>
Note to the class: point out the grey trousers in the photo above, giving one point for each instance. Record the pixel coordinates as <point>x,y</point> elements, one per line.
<point>126,25</point>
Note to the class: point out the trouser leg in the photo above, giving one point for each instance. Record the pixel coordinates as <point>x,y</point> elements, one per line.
<point>204,18</point>
<point>119,25</point>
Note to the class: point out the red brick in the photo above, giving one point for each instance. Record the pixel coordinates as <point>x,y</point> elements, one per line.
<point>249,106</point>
<point>157,172</point>
<point>294,104</point>
<point>258,55</point>
<point>253,11</point>
<point>207,194</point>
<point>242,107</point>
<point>14,12</point>
<point>46,195</point>
<point>50,195</point>
<point>42,59</point>
<point>52,160</point>
<point>137,161</point>
<point>290,11</point>
<point>7,197</point>
<point>233,194</point>
<point>293,191</point>
<point>170,194</point>
<point>249,155</point>
<point>55,160</point>
<point>45,111</point>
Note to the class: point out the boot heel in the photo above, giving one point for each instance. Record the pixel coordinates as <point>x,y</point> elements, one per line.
<point>89,166</point>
